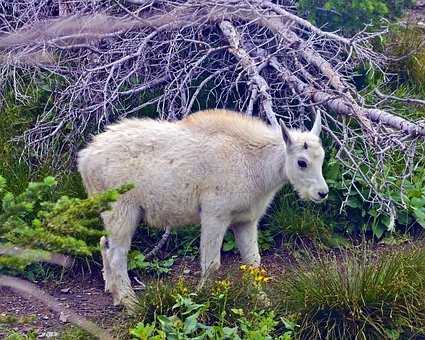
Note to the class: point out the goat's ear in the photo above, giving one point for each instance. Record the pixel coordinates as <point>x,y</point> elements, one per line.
<point>286,134</point>
<point>317,127</point>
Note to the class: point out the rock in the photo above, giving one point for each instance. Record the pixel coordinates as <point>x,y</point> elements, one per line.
<point>49,335</point>
<point>63,317</point>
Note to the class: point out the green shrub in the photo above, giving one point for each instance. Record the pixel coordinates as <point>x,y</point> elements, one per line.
<point>39,224</point>
<point>351,16</point>
<point>361,296</point>
<point>137,261</point>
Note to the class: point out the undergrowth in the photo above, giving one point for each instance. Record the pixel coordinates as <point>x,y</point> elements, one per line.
<point>359,294</point>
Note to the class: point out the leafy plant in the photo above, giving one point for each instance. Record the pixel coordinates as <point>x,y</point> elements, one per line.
<point>185,323</point>
<point>228,308</point>
<point>137,261</point>
<point>351,16</point>
<point>414,197</point>
<point>229,242</point>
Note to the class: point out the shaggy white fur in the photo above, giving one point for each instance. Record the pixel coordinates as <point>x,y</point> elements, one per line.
<point>216,167</point>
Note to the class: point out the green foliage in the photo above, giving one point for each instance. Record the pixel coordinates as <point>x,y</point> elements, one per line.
<point>185,323</point>
<point>18,114</point>
<point>297,218</point>
<point>351,16</point>
<point>359,216</point>
<point>75,333</point>
<point>229,308</point>
<point>357,296</point>
<point>414,198</point>
<point>137,261</point>
<point>34,220</point>
<point>266,239</point>
<point>19,336</point>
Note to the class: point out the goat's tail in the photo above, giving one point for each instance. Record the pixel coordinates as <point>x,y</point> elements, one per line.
<point>90,176</point>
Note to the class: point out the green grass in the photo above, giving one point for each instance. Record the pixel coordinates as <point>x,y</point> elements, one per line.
<point>298,220</point>
<point>357,296</point>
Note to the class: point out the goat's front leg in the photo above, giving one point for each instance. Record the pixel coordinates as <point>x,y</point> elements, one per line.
<point>120,223</point>
<point>246,236</point>
<point>212,233</point>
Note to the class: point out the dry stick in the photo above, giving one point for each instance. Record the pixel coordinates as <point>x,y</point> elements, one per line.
<point>160,244</point>
<point>346,107</point>
<point>302,22</point>
<point>313,57</point>
<point>237,49</point>
<point>36,255</point>
<point>411,101</point>
<point>32,291</point>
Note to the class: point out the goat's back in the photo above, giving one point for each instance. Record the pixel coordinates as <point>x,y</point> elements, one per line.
<point>175,165</point>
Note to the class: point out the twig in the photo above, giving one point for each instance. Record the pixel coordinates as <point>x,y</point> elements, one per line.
<point>160,244</point>
<point>37,255</point>
<point>412,101</point>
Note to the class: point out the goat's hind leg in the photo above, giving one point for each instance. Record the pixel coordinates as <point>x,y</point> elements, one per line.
<point>120,223</point>
<point>246,235</point>
<point>106,271</point>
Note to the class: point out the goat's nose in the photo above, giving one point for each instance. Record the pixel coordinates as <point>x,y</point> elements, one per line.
<point>322,194</point>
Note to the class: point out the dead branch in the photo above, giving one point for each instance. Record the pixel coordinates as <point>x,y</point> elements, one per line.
<point>37,255</point>
<point>113,59</point>
<point>260,83</point>
<point>411,101</point>
<point>160,244</point>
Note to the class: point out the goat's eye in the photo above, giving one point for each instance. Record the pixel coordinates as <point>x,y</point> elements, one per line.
<point>302,164</point>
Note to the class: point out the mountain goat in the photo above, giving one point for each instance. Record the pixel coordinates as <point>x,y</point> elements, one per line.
<point>218,168</point>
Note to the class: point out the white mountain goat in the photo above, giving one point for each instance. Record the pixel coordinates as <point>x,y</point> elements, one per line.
<point>217,168</point>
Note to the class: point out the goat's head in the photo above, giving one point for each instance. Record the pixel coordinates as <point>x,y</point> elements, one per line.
<point>304,160</point>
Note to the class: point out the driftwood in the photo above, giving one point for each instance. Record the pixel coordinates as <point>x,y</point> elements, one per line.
<point>116,58</point>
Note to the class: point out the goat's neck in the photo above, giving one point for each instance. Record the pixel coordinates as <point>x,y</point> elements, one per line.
<point>273,168</point>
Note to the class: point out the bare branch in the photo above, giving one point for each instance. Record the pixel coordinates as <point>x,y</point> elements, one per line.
<point>237,49</point>
<point>36,255</point>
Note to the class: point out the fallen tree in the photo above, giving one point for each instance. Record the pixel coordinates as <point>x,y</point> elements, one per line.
<point>117,58</point>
